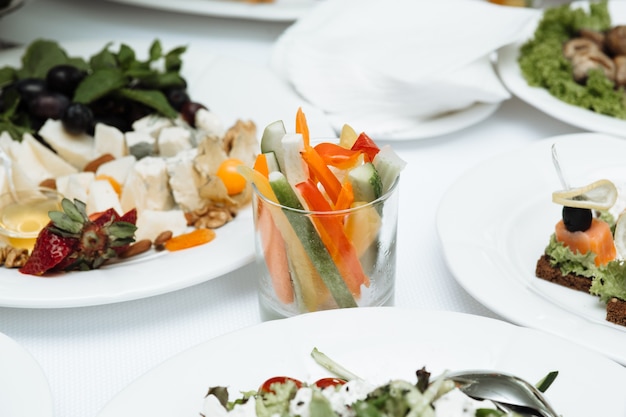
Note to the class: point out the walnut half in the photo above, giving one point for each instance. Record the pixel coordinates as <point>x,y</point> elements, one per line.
<point>12,257</point>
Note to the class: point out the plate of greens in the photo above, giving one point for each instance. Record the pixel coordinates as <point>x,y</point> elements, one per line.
<point>535,69</point>
<point>397,343</point>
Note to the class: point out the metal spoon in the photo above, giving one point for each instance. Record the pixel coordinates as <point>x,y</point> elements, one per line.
<point>508,392</point>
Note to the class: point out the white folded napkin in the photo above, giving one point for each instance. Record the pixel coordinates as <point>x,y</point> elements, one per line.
<point>385,66</point>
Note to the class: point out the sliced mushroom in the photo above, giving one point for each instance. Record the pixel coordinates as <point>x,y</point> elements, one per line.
<point>620,70</point>
<point>577,46</point>
<point>616,40</point>
<point>583,63</point>
<point>595,36</point>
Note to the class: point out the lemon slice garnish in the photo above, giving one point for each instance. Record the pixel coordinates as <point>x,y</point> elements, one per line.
<point>599,195</point>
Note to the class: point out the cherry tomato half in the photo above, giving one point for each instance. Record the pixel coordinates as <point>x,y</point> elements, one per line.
<point>233,180</point>
<point>266,386</point>
<point>329,382</point>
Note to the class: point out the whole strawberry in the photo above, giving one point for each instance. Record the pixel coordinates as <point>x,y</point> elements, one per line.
<point>75,241</point>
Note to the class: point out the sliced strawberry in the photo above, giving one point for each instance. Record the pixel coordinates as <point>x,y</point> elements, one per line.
<point>130,216</point>
<point>49,251</point>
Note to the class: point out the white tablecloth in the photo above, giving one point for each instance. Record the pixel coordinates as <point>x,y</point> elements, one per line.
<point>90,354</point>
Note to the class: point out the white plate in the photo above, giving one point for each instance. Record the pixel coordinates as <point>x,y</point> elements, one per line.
<point>377,344</point>
<point>540,98</point>
<point>233,90</point>
<point>24,389</point>
<point>495,222</point>
<point>445,123</point>
<point>279,10</point>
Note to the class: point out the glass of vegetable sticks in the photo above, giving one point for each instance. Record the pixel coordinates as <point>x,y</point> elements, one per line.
<point>323,259</point>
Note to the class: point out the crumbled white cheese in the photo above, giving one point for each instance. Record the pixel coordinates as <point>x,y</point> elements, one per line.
<point>78,150</point>
<point>102,196</point>
<point>210,123</point>
<point>152,222</point>
<point>75,186</point>
<point>173,140</point>
<point>152,124</point>
<point>117,169</point>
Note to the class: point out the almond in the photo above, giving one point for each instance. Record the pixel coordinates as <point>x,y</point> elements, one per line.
<point>136,248</point>
<point>49,183</point>
<point>159,241</point>
<point>92,166</point>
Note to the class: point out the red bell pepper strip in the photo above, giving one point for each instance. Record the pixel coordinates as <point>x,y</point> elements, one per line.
<point>337,156</point>
<point>365,144</point>
<point>322,173</point>
<point>330,229</point>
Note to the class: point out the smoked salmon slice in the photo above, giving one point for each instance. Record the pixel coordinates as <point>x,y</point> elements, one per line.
<point>597,239</point>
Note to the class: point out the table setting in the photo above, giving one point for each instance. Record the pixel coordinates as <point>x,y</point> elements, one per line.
<point>450,239</point>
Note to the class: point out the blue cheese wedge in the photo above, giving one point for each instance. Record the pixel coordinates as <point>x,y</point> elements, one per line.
<point>140,144</point>
<point>147,186</point>
<point>173,140</point>
<point>184,180</point>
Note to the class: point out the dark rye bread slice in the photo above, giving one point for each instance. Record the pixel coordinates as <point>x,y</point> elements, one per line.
<point>616,311</point>
<point>545,270</point>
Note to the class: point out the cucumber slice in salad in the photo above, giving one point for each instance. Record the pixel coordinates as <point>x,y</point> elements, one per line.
<point>305,230</point>
<point>389,165</point>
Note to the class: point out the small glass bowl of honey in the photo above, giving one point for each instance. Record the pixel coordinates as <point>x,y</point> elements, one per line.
<point>23,215</point>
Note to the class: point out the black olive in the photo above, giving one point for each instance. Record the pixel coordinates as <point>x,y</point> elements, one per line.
<point>48,105</point>
<point>577,219</point>
<point>78,118</point>
<point>64,79</point>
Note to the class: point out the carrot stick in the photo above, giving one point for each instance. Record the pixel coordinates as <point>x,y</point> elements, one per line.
<point>275,254</point>
<point>310,291</point>
<point>330,229</point>
<point>346,197</point>
<point>302,127</point>
<point>260,165</point>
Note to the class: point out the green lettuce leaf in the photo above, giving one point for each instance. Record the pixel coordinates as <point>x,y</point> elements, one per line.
<point>610,281</point>
<point>570,262</point>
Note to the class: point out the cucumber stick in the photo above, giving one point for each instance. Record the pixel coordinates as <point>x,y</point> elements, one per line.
<point>366,183</point>
<point>305,230</point>
<point>388,164</point>
<point>271,140</point>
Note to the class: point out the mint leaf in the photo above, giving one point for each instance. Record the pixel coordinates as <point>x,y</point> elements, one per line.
<point>98,84</point>
<point>151,98</point>
<point>7,76</point>
<point>40,56</point>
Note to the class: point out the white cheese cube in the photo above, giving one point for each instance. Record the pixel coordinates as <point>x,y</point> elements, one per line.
<point>184,180</point>
<point>140,144</point>
<point>109,139</point>
<point>78,150</point>
<point>101,196</point>
<point>151,124</point>
<point>173,140</point>
<point>117,169</point>
<point>75,186</point>
<point>147,187</point>
<point>152,222</point>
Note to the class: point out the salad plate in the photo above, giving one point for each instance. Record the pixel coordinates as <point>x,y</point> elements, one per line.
<point>24,389</point>
<point>397,343</point>
<point>233,90</point>
<point>503,218</point>
<point>278,10</point>
<point>511,75</point>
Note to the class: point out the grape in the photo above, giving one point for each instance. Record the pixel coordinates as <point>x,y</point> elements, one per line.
<point>177,97</point>
<point>189,110</point>
<point>48,105</point>
<point>64,79</point>
<point>29,88</point>
<point>78,118</point>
